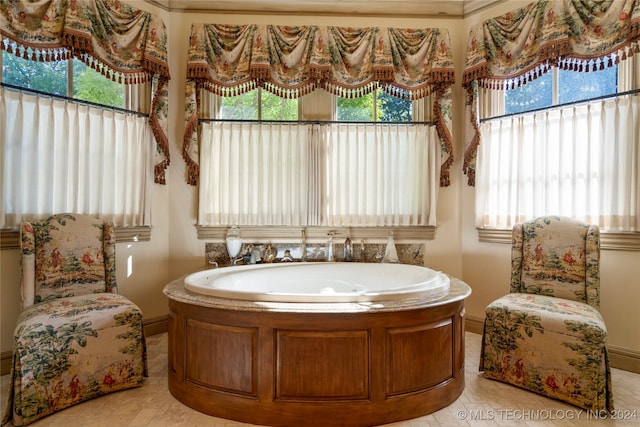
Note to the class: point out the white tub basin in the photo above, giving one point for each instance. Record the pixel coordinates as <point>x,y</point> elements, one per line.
<point>320,282</point>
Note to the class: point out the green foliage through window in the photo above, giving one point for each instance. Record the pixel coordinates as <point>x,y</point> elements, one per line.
<point>387,108</point>
<point>89,85</point>
<point>258,105</point>
<point>51,77</point>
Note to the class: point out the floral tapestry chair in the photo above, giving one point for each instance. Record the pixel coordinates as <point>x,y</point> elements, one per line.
<point>547,334</point>
<point>76,338</point>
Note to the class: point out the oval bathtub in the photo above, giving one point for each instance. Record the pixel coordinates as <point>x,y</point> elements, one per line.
<point>320,282</point>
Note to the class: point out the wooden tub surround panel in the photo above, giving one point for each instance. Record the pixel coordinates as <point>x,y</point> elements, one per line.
<point>294,363</point>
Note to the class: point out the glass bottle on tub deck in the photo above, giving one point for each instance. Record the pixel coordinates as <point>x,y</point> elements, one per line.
<point>390,253</point>
<point>348,249</point>
<point>234,243</point>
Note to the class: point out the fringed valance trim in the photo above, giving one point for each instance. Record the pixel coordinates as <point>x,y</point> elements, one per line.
<point>444,133</point>
<point>158,128</point>
<point>229,91</point>
<point>290,93</point>
<point>190,141</point>
<point>471,150</point>
<point>304,88</point>
<point>569,63</point>
<point>34,52</point>
<point>350,92</point>
<point>308,86</point>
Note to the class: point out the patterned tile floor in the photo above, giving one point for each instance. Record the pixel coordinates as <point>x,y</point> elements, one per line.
<point>483,403</point>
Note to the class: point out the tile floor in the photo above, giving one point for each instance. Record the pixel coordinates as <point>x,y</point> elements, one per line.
<point>483,403</point>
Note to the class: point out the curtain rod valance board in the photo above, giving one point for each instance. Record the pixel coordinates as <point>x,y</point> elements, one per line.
<point>123,43</point>
<point>292,61</point>
<point>510,50</point>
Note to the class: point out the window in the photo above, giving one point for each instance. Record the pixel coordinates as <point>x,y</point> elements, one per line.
<point>577,159</point>
<point>318,174</point>
<point>376,106</point>
<point>58,155</point>
<point>52,77</point>
<point>322,173</point>
<point>258,104</point>
<point>561,87</point>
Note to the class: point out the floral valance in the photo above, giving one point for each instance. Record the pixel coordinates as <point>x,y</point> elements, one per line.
<point>290,61</point>
<point>123,43</point>
<point>517,47</point>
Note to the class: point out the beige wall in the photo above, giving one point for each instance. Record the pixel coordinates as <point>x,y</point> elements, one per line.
<point>174,249</point>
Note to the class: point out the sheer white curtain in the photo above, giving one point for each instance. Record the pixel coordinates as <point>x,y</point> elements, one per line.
<point>312,174</point>
<point>581,161</point>
<point>255,174</point>
<point>61,156</point>
<point>381,174</point>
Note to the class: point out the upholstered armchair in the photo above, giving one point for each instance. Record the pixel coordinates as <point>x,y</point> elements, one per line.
<point>547,334</point>
<point>76,338</point>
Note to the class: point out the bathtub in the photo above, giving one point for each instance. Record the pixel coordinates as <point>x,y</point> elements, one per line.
<point>320,282</point>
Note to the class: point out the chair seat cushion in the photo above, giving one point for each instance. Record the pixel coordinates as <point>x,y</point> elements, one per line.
<point>59,361</point>
<point>554,313</point>
<point>553,346</point>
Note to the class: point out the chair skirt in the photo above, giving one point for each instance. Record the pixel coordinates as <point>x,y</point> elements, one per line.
<point>69,350</point>
<point>552,346</point>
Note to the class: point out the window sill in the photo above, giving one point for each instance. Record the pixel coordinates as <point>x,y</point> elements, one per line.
<point>10,238</point>
<point>319,234</point>
<point>619,241</point>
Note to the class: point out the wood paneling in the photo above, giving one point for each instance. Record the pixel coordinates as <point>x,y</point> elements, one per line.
<point>419,357</point>
<point>221,357</point>
<point>341,373</point>
<point>292,368</point>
